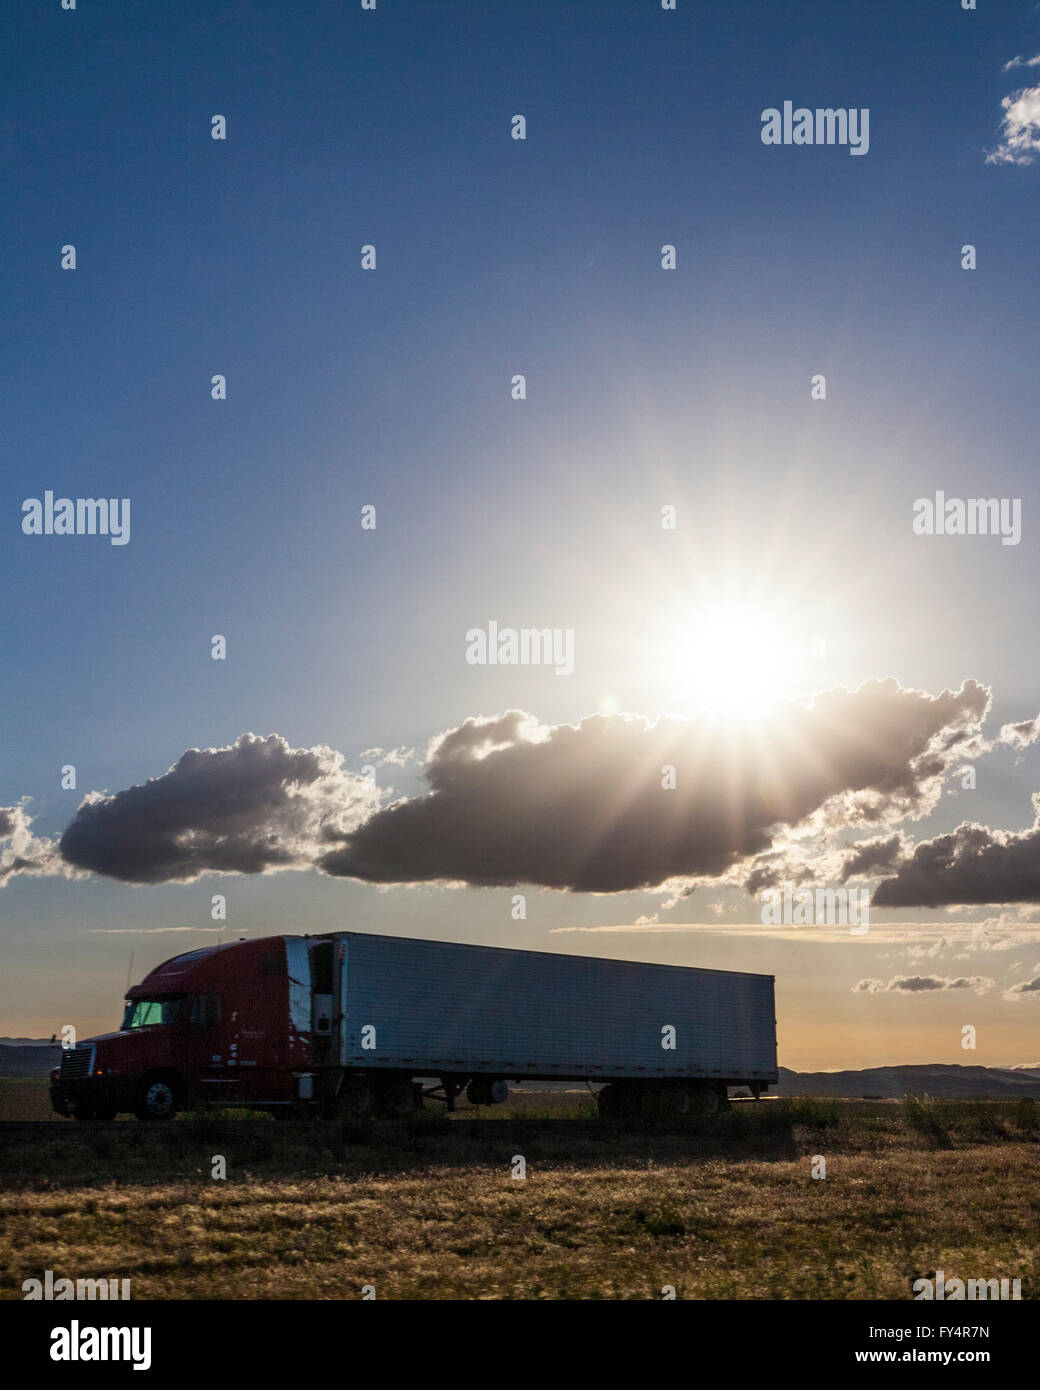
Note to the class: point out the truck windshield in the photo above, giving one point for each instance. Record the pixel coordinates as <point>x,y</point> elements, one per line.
<point>147,1013</point>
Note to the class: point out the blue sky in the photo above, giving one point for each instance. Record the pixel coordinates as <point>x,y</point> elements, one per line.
<point>392,388</point>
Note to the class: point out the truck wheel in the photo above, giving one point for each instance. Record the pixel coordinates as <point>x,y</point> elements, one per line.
<point>400,1100</point>
<point>286,1114</point>
<point>669,1101</point>
<point>710,1100</point>
<point>156,1099</point>
<point>356,1100</point>
<point>485,1090</point>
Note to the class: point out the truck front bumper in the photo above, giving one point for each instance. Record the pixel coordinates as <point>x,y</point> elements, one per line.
<point>92,1093</point>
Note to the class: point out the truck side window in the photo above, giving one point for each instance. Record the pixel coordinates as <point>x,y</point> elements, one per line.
<point>149,1013</point>
<point>205,1010</point>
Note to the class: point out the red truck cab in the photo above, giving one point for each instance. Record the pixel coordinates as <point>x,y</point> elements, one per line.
<point>217,1026</point>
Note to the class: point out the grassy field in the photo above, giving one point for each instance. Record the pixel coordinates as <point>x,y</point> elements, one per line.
<point>25,1099</point>
<point>430,1209</point>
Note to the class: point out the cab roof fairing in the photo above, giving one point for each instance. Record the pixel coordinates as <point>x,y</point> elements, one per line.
<point>176,975</point>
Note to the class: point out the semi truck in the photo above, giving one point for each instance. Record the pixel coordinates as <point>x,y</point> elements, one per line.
<point>352,1023</point>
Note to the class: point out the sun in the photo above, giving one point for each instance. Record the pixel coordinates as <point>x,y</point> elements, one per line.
<point>733,659</point>
<point>721,632</point>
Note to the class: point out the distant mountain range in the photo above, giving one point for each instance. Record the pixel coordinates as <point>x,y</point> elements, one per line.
<point>28,1057</point>
<point>891,1083</point>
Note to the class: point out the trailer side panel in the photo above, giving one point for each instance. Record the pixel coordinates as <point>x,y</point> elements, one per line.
<point>438,1007</point>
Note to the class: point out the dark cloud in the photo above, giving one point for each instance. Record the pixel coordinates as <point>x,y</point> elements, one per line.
<point>970,865</point>
<point>582,806</point>
<point>787,864</point>
<point>871,857</point>
<point>919,984</point>
<point>1023,989</point>
<point>251,808</point>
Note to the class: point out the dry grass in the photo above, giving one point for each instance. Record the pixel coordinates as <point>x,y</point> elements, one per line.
<point>430,1209</point>
<point>26,1099</point>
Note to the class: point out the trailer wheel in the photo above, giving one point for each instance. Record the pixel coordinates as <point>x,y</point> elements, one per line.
<point>486,1090</point>
<point>400,1100</point>
<point>669,1101</point>
<point>710,1100</point>
<point>156,1099</point>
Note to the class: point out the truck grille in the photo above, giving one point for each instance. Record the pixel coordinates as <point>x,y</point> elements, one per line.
<point>77,1062</point>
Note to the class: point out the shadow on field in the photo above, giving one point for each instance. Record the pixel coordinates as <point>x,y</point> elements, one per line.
<point>63,1155</point>
<point>60,1155</point>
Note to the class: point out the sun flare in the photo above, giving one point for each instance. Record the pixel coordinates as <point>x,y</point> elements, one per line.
<point>737,659</point>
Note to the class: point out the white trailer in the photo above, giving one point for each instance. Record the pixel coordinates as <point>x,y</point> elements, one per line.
<point>382,1011</point>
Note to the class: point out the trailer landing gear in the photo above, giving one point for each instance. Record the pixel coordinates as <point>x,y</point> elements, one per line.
<point>450,1088</point>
